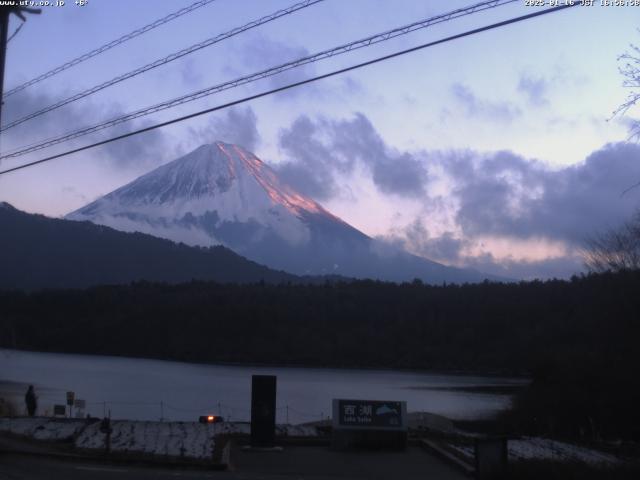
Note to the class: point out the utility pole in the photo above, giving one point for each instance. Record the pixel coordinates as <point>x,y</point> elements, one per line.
<point>5,11</point>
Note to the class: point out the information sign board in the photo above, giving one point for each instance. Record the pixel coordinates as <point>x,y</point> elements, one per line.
<point>369,414</point>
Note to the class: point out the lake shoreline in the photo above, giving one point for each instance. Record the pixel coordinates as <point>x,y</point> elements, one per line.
<point>140,388</point>
<point>452,372</point>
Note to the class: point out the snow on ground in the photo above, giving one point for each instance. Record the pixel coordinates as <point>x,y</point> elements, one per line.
<point>529,448</point>
<point>174,439</point>
<point>197,440</point>
<point>230,428</point>
<point>535,448</point>
<point>42,428</point>
<point>296,430</point>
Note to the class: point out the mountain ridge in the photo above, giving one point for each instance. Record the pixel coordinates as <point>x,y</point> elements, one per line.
<point>41,252</point>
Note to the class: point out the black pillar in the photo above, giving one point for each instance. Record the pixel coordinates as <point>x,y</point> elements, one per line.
<point>263,410</point>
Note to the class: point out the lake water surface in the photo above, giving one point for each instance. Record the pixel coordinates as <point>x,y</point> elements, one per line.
<point>150,389</point>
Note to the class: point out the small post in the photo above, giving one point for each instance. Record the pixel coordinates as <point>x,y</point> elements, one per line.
<point>70,399</point>
<point>105,427</point>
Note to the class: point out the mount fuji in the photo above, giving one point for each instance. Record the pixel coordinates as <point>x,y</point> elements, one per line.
<point>221,194</point>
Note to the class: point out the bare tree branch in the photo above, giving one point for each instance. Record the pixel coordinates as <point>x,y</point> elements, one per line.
<point>615,250</point>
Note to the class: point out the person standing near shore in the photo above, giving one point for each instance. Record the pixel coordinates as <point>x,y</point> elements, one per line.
<point>31,400</point>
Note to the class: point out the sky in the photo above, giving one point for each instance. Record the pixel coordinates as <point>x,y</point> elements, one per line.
<point>497,151</point>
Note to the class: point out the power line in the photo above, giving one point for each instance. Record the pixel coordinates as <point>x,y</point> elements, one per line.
<point>162,61</point>
<point>296,84</point>
<point>362,43</point>
<point>110,45</point>
<point>15,32</point>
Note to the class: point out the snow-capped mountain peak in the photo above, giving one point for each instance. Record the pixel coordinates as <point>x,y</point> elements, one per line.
<point>208,189</point>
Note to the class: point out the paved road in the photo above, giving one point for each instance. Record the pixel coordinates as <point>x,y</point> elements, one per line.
<point>21,467</point>
<point>304,463</point>
<point>322,463</point>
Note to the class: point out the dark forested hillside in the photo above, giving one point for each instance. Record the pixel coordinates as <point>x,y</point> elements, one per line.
<point>505,327</point>
<point>578,339</point>
<point>41,252</point>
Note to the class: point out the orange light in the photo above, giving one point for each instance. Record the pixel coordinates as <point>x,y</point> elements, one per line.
<point>210,419</point>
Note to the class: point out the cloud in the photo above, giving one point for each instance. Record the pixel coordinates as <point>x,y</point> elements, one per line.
<point>145,149</point>
<point>263,52</point>
<point>393,172</point>
<point>311,164</point>
<point>189,73</point>
<point>631,124</point>
<point>141,150</point>
<point>73,191</point>
<point>444,247</point>
<point>535,89</point>
<point>506,194</point>
<point>318,151</point>
<point>498,211</point>
<point>235,125</point>
<point>260,53</point>
<point>501,111</point>
<point>469,252</point>
<point>516,217</point>
<point>556,267</point>
<point>29,101</point>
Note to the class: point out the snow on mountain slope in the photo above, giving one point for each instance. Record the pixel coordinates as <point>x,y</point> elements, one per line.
<point>223,194</point>
<point>217,183</point>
